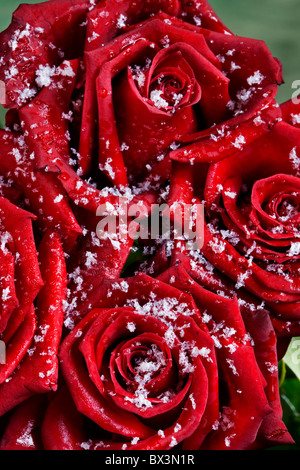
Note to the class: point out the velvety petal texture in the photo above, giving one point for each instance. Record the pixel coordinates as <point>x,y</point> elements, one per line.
<point>261,216</point>
<point>32,333</point>
<point>147,371</point>
<point>153,75</point>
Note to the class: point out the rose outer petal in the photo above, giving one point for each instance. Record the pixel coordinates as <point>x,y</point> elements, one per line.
<point>23,429</point>
<point>26,44</point>
<point>247,406</point>
<point>38,372</point>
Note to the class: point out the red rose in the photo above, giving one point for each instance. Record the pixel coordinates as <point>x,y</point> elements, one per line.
<point>149,371</point>
<point>136,81</point>
<point>30,332</point>
<point>67,124</point>
<point>255,197</point>
<point>251,221</point>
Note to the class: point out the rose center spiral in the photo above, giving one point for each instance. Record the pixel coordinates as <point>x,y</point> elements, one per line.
<point>285,206</point>
<point>167,91</point>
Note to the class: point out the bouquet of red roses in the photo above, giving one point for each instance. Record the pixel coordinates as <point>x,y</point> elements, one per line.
<point>149,227</point>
